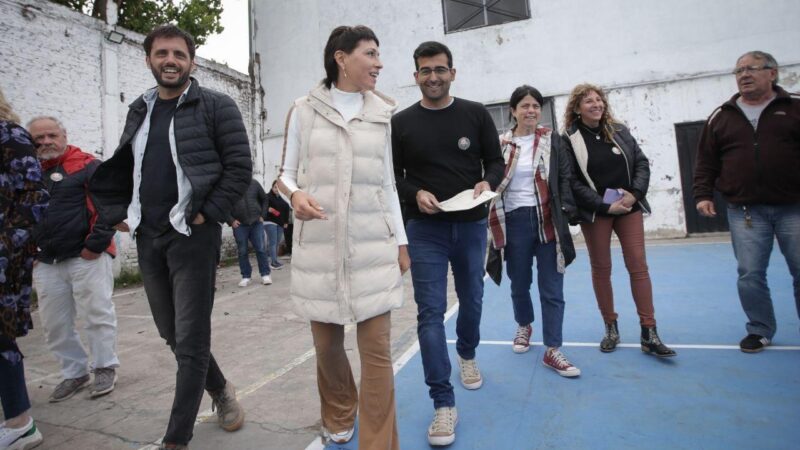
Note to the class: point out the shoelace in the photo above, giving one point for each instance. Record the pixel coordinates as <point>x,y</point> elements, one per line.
<point>219,401</point>
<point>522,335</point>
<point>560,359</point>
<point>469,368</point>
<point>444,420</point>
<point>610,332</point>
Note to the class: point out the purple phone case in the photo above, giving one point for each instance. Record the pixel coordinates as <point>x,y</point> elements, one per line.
<point>611,195</point>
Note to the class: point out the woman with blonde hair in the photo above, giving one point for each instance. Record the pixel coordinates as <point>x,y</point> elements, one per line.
<point>612,175</point>
<point>23,201</point>
<point>349,249</point>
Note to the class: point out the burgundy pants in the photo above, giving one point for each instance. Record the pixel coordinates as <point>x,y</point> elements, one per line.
<point>629,229</point>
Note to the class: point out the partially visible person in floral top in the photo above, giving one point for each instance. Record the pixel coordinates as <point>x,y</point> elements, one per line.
<point>23,203</point>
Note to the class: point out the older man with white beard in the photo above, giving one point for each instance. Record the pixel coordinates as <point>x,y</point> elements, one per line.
<point>73,272</point>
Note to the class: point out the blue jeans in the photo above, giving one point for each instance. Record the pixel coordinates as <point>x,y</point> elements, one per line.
<point>274,234</point>
<point>522,244</point>
<point>752,246</point>
<point>254,234</point>
<point>431,244</point>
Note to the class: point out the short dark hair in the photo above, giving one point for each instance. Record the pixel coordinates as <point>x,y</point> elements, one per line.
<point>432,48</point>
<point>168,31</point>
<point>520,93</point>
<point>346,39</point>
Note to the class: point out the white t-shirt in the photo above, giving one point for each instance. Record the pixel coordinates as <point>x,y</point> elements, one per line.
<point>348,104</point>
<point>520,192</point>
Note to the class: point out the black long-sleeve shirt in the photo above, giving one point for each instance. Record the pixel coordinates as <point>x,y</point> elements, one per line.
<point>444,152</point>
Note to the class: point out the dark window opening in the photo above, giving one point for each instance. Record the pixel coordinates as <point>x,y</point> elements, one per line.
<point>466,14</point>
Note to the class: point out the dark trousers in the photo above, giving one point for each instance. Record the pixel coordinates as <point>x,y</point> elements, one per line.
<point>179,273</point>
<point>13,392</point>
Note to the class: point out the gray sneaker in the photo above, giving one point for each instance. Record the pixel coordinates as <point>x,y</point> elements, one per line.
<point>104,381</point>
<point>229,412</point>
<point>68,388</point>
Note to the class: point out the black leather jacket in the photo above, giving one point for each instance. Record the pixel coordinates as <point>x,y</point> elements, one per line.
<point>588,200</point>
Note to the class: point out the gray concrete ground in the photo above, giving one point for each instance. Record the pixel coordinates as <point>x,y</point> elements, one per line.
<point>262,347</point>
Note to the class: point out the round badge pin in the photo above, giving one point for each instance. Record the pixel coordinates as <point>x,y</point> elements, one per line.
<point>463,143</point>
<point>55,176</point>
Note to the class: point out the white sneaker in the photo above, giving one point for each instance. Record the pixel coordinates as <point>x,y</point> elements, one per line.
<point>341,437</point>
<point>266,279</point>
<point>244,282</point>
<point>20,438</point>
<point>443,426</point>
<point>470,374</point>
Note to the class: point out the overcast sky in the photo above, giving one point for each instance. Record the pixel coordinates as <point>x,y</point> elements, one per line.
<point>230,47</point>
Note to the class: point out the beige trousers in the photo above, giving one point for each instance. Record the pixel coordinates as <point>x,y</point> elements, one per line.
<point>377,423</point>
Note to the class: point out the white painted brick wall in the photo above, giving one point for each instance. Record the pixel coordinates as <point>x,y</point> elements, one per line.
<point>51,64</point>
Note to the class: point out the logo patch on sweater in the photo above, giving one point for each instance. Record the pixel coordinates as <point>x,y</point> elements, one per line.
<point>463,143</point>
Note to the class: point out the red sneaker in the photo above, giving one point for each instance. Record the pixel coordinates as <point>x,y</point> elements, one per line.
<point>522,340</point>
<point>554,359</point>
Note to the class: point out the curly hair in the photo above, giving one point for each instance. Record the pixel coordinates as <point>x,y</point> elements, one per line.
<point>571,114</point>
<point>6,112</point>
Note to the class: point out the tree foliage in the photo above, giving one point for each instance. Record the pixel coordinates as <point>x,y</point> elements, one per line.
<point>200,18</point>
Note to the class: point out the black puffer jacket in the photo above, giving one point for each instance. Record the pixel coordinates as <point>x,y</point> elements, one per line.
<point>213,152</point>
<point>279,210</point>
<point>251,207</point>
<point>588,200</point>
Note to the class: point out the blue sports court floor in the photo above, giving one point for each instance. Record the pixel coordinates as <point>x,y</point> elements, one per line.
<point>711,396</point>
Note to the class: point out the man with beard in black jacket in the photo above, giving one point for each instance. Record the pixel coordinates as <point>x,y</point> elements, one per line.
<point>183,161</point>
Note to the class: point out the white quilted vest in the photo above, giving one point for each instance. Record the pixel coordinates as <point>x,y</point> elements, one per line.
<point>344,269</point>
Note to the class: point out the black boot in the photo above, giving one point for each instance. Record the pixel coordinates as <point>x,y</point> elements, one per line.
<point>611,339</point>
<point>652,344</point>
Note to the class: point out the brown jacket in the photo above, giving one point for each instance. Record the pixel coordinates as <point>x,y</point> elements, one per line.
<point>751,166</point>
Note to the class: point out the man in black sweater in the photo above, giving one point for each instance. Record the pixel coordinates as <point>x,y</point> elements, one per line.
<point>442,146</point>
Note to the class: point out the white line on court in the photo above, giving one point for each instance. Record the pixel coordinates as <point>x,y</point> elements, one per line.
<point>683,346</point>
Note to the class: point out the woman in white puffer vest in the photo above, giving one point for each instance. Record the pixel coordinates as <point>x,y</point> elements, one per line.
<point>349,249</point>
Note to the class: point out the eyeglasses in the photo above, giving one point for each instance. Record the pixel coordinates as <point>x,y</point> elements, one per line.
<point>439,70</point>
<point>741,70</point>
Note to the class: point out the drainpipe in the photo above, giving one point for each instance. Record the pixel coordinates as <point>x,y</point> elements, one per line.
<point>110,81</point>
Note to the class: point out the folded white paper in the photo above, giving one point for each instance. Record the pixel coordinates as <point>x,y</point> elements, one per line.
<point>464,201</point>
